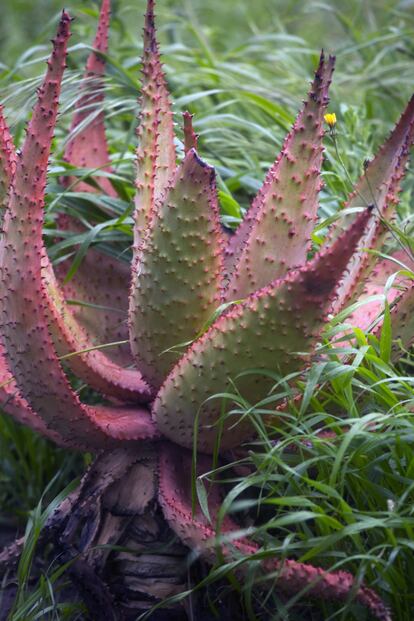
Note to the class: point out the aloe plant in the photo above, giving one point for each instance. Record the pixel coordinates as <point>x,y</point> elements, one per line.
<point>233,306</point>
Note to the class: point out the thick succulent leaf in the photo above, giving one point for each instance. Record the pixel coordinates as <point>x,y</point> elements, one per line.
<point>200,533</point>
<point>99,281</point>
<point>381,169</point>
<point>365,315</point>
<point>88,147</point>
<point>93,367</point>
<point>402,322</point>
<point>379,186</point>
<point>178,281</point>
<point>175,485</point>
<point>10,400</point>
<point>156,157</point>
<point>7,164</point>
<point>98,296</point>
<point>275,235</point>
<point>271,330</point>
<point>14,405</point>
<point>24,309</point>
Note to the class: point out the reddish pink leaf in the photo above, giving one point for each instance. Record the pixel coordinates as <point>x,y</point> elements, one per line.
<point>95,367</point>
<point>88,147</point>
<point>7,163</point>
<point>101,286</point>
<point>379,186</point>
<point>365,315</point>
<point>99,280</point>
<point>14,405</point>
<point>10,400</point>
<point>24,309</point>
<point>197,532</point>
<point>271,330</point>
<point>275,235</point>
<point>156,157</point>
<point>402,321</point>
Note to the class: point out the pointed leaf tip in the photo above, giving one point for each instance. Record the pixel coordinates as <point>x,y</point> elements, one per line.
<point>275,235</point>
<point>150,25</point>
<point>95,62</point>
<point>64,24</point>
<point>88,147</point>
<point>156,156</point>
<point>190,137</point>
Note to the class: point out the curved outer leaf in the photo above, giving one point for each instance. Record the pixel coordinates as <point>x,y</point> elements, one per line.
<point>402,322</point>
<point>10,400</point>
<point>94,367</point>
<point>275,234</point>
<point>197,532</point>
<point>178,283</point>
<point>156,157</point>
<point>265,332</point>
<point>88,147</point>
<point>380,186</point>
<point>23,302</point>
<point>14,405</point>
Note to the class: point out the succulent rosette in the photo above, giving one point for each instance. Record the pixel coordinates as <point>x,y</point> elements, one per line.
<point>273,303</point>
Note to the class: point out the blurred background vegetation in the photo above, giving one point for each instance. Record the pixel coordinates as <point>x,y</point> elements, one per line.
<point>225,24</point>
<point>242,67</point>
<point>373,39</point>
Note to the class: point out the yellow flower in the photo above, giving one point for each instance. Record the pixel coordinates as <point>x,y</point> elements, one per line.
<point>330,119</point>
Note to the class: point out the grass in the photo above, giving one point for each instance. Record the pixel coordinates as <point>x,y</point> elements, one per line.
<point>242,68</point>
<point>343,500</point>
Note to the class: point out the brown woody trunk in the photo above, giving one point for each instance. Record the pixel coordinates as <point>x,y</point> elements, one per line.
<point>126,557</point>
